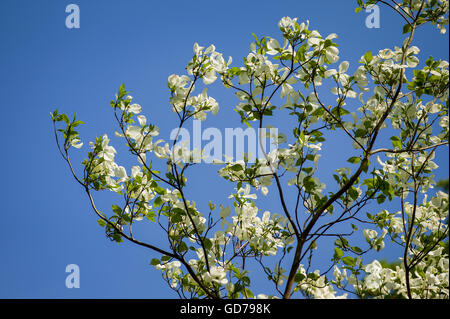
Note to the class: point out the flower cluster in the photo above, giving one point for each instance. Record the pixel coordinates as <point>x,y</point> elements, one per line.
<point>314,285</point>
<point>205,65</point>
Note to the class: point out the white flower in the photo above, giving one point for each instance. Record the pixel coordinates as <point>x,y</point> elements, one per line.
<point>332,54</point>
<point>121,173</point>
<point>108,152</point>
<point>329,73</point>
<point>209,77</point>
<point>264,190</point>
<point>197,48</point>
<point>218,63</point>
<point>178,81</point>
<point>369,234</point>
<point>286,22</point>
<point>210,49</point>
<point>135,108</point>
<point>374,267</point>
<point>76,142</point>
<point>218,275</point>
<point>243,78</point>
<point>343,67</point>
<point>412,61</point>
<point>273,46</point>
<point>142,120</point>
<point>224,212</point>
<point>134,132</point>
<point>351,94</point>
<point>246,192</point>
<point>386,54</point>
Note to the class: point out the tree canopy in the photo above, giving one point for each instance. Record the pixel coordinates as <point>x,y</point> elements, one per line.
<point>392,110</point>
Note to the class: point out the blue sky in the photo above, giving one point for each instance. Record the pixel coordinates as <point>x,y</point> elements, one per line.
<point>46,218</point>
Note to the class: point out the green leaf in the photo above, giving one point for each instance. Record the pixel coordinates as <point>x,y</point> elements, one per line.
<point>338,253</point>
<point>154,262</point>
<point>234,70</point>
<point>354,160</point>
<point>177,215</point>
<point>349,261</point>
<point>54,115</point>
<point>157,202</point>
<point>366,166</point>
<point>116,209</point>
<point>65,118</point>
<point>360,132</point>
<point>310,157</point>
<point>122,91</point>
<point>301,137</point>
<point>407,28</point>
<point>341,242</point>
<point>381,198</point>
<point>101,222</point>
<point>368,56</point>
<point>256,39</point>
<point>246,122</point>
<point>151,216</point>
<point>182,247</point>
<point>299,277</point>
<point>339,111</point>
<point>236,167</point>
<point>369,182</point>
<point>76,123</point>
<point>249,293</point>
<point>357,249</point>
<point>308,183</point>
<point>117,237</point>
<point>159,190</point>
<point>353,193</point>
<point>165,258</point>
<point>396,142</point>
<point>207,243</point>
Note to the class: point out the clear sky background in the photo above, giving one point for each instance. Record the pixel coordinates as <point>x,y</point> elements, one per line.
<point>46,219</point>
